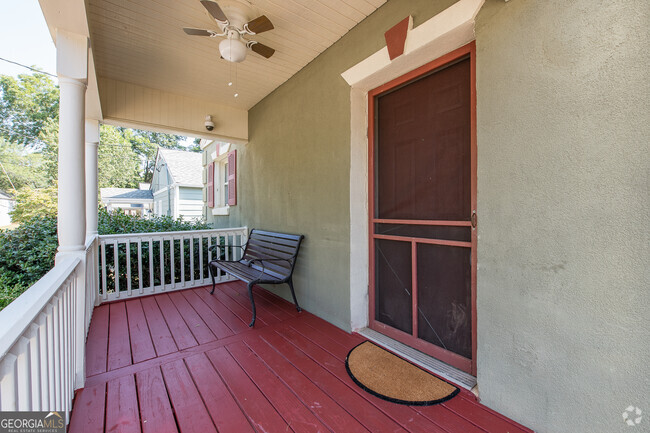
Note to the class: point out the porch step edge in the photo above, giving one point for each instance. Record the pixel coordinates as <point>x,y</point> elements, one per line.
<point>427,362</point>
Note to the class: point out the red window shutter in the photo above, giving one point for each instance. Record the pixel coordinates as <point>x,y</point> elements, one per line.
<point>211,184</point>
<point>232,178</point>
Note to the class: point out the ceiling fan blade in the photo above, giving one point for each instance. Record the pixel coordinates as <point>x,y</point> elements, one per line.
<point>262,50</point>
<point>214,10</point>
<point>260,24</point>
<point>197,32</point>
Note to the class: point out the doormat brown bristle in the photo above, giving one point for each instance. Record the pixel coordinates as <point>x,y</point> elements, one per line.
<point>388,376</point>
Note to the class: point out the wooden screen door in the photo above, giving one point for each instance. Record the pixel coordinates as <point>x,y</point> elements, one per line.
<point>422,209</point>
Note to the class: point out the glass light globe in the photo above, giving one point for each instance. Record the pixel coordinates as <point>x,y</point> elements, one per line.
<point>232,50</point>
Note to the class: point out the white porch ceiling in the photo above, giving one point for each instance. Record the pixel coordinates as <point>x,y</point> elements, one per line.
<point>142,42</point>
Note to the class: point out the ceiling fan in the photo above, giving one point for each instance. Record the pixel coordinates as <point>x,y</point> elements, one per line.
<point>234,47</point>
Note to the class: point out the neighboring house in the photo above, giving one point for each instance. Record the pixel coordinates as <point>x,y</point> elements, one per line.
<point>177,185</point>
<point>133,201</point>
<point>7,204</point>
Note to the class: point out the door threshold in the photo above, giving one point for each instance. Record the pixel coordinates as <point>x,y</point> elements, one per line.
<point>427,362</point>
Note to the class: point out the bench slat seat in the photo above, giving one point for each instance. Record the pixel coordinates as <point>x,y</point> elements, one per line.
<point>268,258</point>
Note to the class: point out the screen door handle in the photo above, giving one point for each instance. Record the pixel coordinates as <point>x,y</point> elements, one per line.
<point>473,219</point>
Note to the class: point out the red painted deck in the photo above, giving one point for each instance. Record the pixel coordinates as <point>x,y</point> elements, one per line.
<point>187,362</point>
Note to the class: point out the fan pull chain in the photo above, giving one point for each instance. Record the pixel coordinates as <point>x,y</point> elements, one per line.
<point>236,94</point>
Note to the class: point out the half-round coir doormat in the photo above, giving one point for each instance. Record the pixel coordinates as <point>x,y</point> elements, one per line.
<point>388,376</point>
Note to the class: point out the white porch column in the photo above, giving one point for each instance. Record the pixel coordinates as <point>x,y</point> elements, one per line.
<point>72,70</point>
<point>92,141</point>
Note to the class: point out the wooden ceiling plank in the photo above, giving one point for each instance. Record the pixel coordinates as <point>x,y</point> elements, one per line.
<point>142,42</point>
<point>180,37</point>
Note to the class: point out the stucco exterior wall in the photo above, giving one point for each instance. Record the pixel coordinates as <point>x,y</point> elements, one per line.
<point>563,249</point>
<point>563,282</point>
<point>293,175</point>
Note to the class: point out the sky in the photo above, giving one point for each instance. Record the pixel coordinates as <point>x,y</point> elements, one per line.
<point>24,38</point>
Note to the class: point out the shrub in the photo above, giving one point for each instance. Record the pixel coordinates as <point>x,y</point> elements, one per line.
<point>28,251</point>
<point>119,223</point>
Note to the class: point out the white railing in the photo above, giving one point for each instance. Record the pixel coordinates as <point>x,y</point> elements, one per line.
<point>141,264</point>
<point>42,332</point>
<point>91,276</point>
<point>42,337</point>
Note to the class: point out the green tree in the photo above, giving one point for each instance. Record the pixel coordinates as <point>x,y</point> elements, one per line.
<point>20,168</point>
<point>119,166</point>
<point>26,104</point>
<point>31,203</point>
<point>49,135</point>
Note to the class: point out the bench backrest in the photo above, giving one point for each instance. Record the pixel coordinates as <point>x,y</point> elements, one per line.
<point>270,245</point>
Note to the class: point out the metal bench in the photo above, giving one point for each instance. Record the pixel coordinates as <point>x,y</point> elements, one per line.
<point>268,258</point>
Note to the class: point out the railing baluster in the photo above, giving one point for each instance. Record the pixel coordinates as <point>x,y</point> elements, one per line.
<point>182,253</point>
<point>65,358</point>
<point>201,274</point>
<point>57,353</point>
<point>51,355</point>
<point>128,268</point>
<point>171,262</point>
<point>62,349</point>
<point>21,350</point>
<point>44,393</point>
<point>8,383</point>
<point>33,335</point>
<point>191,241</point>
<point>116,272</point>
<point>151,281</point>
<point>140,285</point>
<point>162,264</point>
<point>104,286</point>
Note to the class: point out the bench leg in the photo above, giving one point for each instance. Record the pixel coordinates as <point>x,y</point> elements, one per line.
<point>293,293</point>
<point>250,294</point>
<point>212,276</point>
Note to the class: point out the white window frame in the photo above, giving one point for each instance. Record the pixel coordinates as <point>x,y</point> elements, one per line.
<point>220,182</point>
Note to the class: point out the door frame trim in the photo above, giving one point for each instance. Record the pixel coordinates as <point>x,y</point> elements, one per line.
<point>458,361</point>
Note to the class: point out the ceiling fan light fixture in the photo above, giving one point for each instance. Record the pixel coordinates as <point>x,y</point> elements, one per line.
<point>232,50</point>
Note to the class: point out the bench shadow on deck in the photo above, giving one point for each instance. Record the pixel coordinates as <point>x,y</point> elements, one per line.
<point>186,362</point>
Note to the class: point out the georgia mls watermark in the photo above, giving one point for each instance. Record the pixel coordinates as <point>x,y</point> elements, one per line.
<point>632,416</point>
<point>31,422</point>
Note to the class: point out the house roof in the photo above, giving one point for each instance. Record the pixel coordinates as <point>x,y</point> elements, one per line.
<point>184,167</point>
<point>125,194</point>
<point>6,196</point>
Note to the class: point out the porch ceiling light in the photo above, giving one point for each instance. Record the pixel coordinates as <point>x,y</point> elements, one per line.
<point>232,50</point>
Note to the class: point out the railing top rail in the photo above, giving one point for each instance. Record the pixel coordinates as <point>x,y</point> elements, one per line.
<point>90,241</point>
<point>16,317</point>
<point>182,232</point>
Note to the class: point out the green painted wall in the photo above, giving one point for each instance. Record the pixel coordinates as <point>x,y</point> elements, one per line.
<point>563,199</point>
<point>294,172</point>
<point>563,206</point>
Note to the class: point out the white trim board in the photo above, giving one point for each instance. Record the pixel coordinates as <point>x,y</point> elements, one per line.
<point>441,34</point>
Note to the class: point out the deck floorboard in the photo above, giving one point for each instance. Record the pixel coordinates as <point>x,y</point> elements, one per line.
<point>187,361</point>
